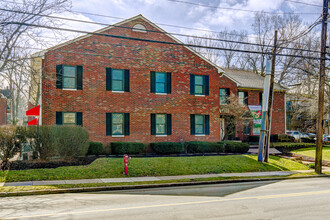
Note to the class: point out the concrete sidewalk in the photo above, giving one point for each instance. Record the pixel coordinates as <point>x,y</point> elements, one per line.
<point>151,178</point>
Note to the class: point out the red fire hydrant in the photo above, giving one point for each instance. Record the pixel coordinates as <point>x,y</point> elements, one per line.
<point>126,159</point>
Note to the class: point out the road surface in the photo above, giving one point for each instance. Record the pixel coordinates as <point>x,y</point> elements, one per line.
<point>287,199</point>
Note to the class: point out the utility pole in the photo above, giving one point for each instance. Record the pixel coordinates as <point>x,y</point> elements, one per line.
<point>267,104</point>
<point>270,100</point>
<point>319,124</point>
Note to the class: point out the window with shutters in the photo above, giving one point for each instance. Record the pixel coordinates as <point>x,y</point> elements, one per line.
<point>69,118</point>
<point>160,82</point>
<point>117,124</point>
<point>69,77</point>
<point>199,85</point>
<point>117,80</point>
<point>161,124</point>
<point>224,96</point>
<point>200,124</point>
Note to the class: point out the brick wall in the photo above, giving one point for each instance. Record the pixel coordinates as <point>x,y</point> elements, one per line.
<point>140,58</point>
<point>3,111</point>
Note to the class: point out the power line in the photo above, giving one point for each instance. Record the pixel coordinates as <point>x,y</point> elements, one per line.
<point>162,32</point>
<point>304,3</point>
<point>156,41</point>
<point>237,9</point>
<point>162,24</point>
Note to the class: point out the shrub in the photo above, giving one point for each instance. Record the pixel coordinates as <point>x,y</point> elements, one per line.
<point>95,148</point>
<point>235,147</point>
<point>167,147</point>
<point>127,147</point>
<point>311,166</point>
<point>253,139</point>
<point>204,147</point>
<point>11,139</point>
<point>307,140</point>
<point>70,141</point>
<point>107,149</point>
<point>289,146</point>
<point>285,138</point>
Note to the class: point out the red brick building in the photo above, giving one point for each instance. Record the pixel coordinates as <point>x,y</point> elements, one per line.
<point>5,106</point>
<point>125,89</point>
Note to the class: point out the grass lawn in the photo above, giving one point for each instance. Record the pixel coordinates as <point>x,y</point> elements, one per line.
<point>310,152</point>
<point>164,166</point>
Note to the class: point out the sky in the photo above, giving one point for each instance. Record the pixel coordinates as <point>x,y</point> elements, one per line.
<point>212,18</point>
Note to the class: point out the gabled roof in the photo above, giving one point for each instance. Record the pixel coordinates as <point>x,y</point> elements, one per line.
<point>42,53</point>
<point>248,79</point>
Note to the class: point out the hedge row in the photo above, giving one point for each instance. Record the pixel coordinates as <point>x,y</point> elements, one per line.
<point>170,147</point>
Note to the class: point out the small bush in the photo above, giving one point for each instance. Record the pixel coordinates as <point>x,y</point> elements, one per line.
<point>95,148</point>
<point>307,140</point>
<point>107,149</point>
<point>311,166</point>
<point>285,138</point>
<point>127,147</point>
<point>204,147</point>
<point>167,147</point>
<point>253,139</point>
<point>235,147</point>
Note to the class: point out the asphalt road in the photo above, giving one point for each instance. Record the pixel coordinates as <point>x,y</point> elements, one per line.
<point>288,199</point>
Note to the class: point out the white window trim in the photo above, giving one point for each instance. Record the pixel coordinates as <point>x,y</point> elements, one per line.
<point>118,135</point>
<point>200,135</point>
<point>200,95</point>
<point>161,135</point>
<point>157,93</point>
<point>118,91</point>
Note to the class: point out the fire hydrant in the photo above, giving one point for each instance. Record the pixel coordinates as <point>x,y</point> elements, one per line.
<point>126,159</point>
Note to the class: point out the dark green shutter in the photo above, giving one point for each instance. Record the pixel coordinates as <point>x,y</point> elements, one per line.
<point>59,118</point>
<point>79,118</point>
<point>59,76</point>
<point>108,123</point>
<point>246,98</point>
<point>126,81</point>
<point>207,124</point>
<point>169,124</point>
<point>126,123</point>
<point>169,83</point>
<point>152,81</point>
<point>192,124</point>
<point>192,84</point>
<point>228,96</point>
<point>207,85</point>
<point>108,79</point>
<point>79,77</point>
<point>153,124</point>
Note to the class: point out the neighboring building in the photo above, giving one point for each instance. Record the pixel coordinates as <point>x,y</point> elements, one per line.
<point>5,113</point>
<point>130,90</point>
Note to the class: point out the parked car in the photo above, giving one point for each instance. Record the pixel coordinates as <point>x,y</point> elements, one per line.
<point>296,134</point>
<point>305,135</point>
<point>312,135</point>
<point>326,137</point>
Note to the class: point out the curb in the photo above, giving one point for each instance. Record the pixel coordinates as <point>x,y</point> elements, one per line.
<point>145,186</point>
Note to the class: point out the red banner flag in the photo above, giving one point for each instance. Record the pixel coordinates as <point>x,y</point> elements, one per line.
<point>33,111</point>
<point>33,122</point>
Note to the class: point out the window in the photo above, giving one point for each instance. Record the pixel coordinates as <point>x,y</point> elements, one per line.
<point>247,128</point>
<point>199,85</point>
<point>224,96</point>
<point>243,98</point>
<point>200,124</point>
<point>69,118</point>
<point>117,124</point>
<point>69,77</point>
<point>160,82</point>
<point>117,80</point>
<point>161,124</point>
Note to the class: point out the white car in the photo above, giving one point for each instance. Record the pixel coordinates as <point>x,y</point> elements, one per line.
<point>296,134</point>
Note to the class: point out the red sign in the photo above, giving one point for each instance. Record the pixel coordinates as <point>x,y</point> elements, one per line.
<point>33,122</point>
<point>33,111</point>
